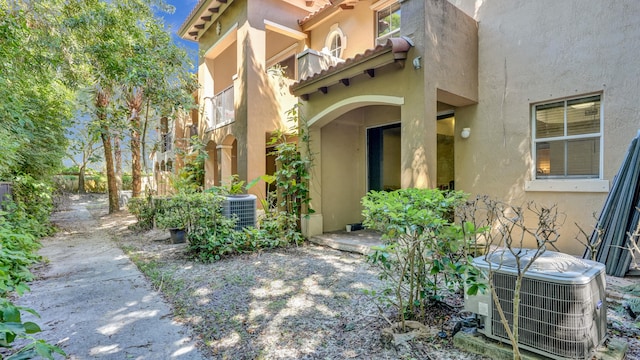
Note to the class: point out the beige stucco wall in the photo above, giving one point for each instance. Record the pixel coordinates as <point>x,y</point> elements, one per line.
<point>357,25</point>
<point>413,93</point>
<point>260,102</point>
<point>533,51</point>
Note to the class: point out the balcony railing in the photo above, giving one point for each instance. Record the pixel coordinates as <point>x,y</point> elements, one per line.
<point>222,109</point>
<point>166,143</point>
<point>311,62</point>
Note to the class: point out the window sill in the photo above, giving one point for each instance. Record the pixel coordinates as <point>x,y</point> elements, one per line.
<point>586,185</point>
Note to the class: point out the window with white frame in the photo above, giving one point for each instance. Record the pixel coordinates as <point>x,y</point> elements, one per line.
<point>335,42</point>
<point>335,45</point>
<point>567,138</point>
<point>388,22</point>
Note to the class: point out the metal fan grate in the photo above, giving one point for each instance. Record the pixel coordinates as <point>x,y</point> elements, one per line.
<point>243,208</point>
<point>555,318</point>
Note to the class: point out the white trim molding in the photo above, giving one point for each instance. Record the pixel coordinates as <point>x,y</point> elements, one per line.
<point>582,185</point>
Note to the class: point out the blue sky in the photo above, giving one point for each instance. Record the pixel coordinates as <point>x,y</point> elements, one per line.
<point>183,9</point>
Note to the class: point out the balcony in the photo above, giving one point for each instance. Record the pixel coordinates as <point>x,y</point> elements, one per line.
<point>222,111</point>
<point>166,144</point>
<point>311,62</point>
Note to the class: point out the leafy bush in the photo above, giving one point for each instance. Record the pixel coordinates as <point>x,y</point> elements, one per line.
<point>13,328</point>
<point>127,182</point>
<point>96,184</point>
<point>32,205</point>
<point>424,256</point>
<point>211,236</point>
<point>190,178</point>
<point>222,240</point>
<point>144,211</point>
<point>26,218</point>
<point>17,253</point>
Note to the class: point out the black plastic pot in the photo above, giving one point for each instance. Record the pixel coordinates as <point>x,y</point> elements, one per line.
<point>177,235</point>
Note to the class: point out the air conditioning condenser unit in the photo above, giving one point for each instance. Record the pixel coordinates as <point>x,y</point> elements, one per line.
<point>563,310</point>
<point>242,207</point>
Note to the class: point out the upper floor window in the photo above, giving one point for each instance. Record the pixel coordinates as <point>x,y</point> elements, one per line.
<point>388,22</point>
<point>567,138</point>
<point>335,45</point>
<point>335,42</point>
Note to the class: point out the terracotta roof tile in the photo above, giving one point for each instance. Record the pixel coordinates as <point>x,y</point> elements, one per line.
<point>191,14</point>
<point>316,13</point>
<point>396,45</point>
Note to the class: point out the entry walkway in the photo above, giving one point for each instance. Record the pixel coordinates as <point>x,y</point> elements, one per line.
<point>93,301</point>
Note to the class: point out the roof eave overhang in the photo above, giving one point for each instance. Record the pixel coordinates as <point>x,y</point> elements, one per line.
<point>203,15</point>
<point>365,67</point>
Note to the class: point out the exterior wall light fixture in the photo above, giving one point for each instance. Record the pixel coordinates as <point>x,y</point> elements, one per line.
<point>466,132</point>
<point>416,62</point>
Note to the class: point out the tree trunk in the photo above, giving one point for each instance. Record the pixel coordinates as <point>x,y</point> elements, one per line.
<point>81,188</point>
<point>117,154</point>
<point>143,139</point>
<point>136,173</point>
<point>112,186</point>
<point>134,101</point>
<point>102,101</point>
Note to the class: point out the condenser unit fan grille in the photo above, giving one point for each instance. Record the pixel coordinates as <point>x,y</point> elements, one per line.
<point>559,319</point>
<point>241,207</point>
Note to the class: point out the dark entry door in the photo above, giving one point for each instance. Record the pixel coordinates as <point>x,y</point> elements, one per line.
<point>379,151</point>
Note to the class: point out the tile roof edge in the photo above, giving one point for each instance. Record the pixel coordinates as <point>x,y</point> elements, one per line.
<point>395,45</point>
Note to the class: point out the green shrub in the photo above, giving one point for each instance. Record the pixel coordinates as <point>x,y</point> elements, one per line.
<point>127,182</point>
<point>33,204</point>
<point>96,184</point>
<point>210,235</point>
<point>424,256</point>
<point>26,218</point>
<point>17,253</point>
<point>144,211</point>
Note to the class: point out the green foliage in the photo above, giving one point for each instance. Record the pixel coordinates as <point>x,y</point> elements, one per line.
<point>25,219</point>
<point>33,203</point>
<point>292,170</point>
<point>222,240</point>
<point>279,228</point>
<point>12,327</point>
<point>236,186</point>
<point>144,211</point>
<point>96,184</point>
<point>425,253</point>
<point>212,236</point>
<point>17,253</point>
<point>191,176</point>
<point>35,106</point>
<point>172,212</point>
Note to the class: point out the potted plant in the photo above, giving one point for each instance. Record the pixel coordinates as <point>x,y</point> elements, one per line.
<point>173,216</point>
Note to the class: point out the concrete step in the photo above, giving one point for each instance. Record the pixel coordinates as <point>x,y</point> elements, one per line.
<point>359,242</point>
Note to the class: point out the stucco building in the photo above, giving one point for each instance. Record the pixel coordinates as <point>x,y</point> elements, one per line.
<point>520,100</point>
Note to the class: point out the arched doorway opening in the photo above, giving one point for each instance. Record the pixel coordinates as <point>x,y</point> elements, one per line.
<point>211,169</point>
<point>227,159</point>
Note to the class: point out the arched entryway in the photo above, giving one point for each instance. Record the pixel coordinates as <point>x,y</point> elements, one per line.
<point>211,176</point>
<point>353,141</point>
<point>227,159</point>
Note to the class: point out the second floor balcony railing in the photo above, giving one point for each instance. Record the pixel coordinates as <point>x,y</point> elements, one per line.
<point>166,143</point>
<point>222,109</point>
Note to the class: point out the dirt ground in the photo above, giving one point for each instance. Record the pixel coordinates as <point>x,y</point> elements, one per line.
<point>299,303</point>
